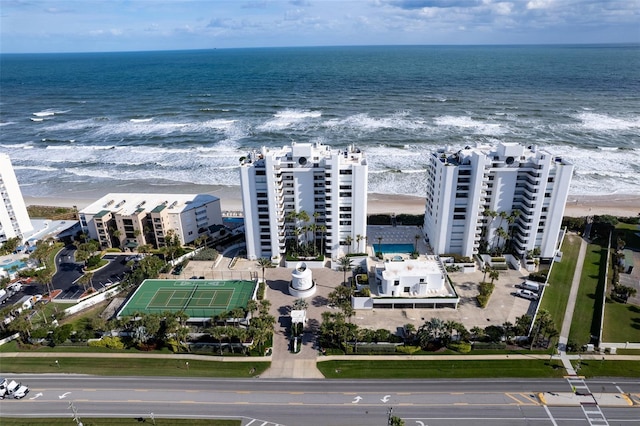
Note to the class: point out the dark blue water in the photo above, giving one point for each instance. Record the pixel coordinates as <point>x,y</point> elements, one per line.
<point>104,120</point>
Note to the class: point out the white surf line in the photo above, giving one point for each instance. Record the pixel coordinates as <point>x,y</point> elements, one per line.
<point>550,416</point>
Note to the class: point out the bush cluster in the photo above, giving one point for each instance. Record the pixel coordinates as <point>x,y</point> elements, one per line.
<point>108,342</point>
<point>206,254</point>
<point>485,293</point>
<point>462,347</point>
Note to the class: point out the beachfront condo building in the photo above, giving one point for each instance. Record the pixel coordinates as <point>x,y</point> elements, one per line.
<point>128,221</point>
<point>305,199</point>
<point>14,219</point>
<point>488,198</point>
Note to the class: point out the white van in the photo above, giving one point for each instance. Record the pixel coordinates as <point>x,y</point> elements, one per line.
<point>530,285</point>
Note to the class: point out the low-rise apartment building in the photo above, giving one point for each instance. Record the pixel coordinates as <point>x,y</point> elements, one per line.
<point>130,220</point>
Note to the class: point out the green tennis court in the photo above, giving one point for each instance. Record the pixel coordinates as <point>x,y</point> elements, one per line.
<point>200,299</point>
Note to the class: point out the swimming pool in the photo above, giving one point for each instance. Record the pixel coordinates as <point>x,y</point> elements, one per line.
<point>17,264</point>
<point>394,248</point>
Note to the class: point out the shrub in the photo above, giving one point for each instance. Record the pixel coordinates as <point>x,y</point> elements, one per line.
<point>462,347</point>
<point>93,261</point>
<point>379,219</point>
<point>261,289</point>
<point>61,334</point>
<point>482,300</point>
<point>489,345</point>
<point>408,349</point>
<point>485,292</point>
<point>539,277</point>
<point>206,254</point>
<point>410,219</point>
<point>371,349</point>
<point>108,342</point>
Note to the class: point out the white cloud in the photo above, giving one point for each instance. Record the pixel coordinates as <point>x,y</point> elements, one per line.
<point>540,4</point>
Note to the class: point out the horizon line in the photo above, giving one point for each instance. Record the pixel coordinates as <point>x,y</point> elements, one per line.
<point>612,44</point>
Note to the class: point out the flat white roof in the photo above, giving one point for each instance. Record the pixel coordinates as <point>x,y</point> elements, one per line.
<point>128,203</point>
<point>411,267</point>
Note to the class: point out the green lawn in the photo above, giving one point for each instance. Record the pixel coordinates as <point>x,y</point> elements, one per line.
<point>621,323</point>
<point>119,422</point>
<point>133,367</point>
<point>557,293</point>
<point>592,368</point>
<point>439,369</point>
<point>586,316</point>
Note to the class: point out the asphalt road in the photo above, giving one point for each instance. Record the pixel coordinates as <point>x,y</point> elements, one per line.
<point>313,402</point>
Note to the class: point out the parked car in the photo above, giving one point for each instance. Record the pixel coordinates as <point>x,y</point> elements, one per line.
<point>12,389</point>
<point>527,294</point>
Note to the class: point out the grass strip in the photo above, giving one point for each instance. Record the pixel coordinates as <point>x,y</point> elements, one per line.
<point>594,368</point>
<point>557,293</point>
<point>349,369</point>
<point>586,316</point>
<point>120,422</point>
<point>133,367</point>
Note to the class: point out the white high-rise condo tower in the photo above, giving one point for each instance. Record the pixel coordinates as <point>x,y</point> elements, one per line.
<point>484,198</point>
<point>304,197</point>
<point>14,219</point>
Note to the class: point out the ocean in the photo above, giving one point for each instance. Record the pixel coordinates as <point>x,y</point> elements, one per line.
<point>165,121</point>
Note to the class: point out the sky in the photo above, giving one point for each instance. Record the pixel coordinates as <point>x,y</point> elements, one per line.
<point>35,26</point>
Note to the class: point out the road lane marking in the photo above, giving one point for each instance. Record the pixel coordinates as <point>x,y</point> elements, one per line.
<point>550,416</point>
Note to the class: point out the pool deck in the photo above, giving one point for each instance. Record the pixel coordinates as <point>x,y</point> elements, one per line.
<point>402,234</point>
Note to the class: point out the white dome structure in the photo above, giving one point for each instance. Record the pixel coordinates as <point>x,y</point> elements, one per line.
<point>302,284</point>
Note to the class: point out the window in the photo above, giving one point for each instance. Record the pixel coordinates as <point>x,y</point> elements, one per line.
<point>407,289</point>
<point>396,282</point>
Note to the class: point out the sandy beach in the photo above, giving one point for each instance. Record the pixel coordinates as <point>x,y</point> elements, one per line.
<point>577,205</point>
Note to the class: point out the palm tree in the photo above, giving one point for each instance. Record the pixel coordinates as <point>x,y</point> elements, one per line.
<point>358,239</point>
<point>86,279</point>
<point>45,276</point>
<point>263,307</point>
<point>217,333</point>
<point>486,268</point>
<point>345,266</point>
<point>252,307</point>
<point>494,274</point>
<point>379,244</point>
<point>348,241</point>
<point>323,230</point>
<point>415,246</point>
<point>264,263</point>
<point>300,305</point>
